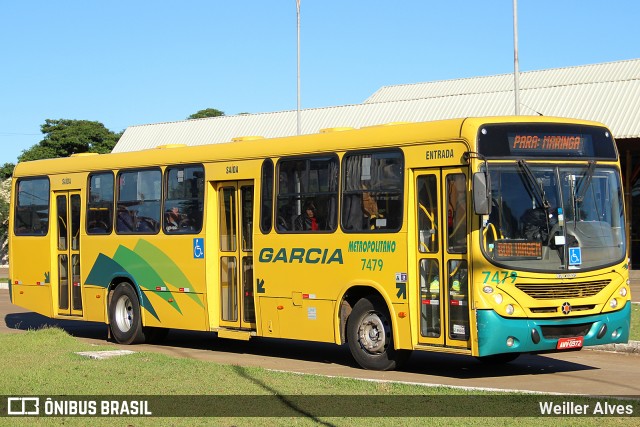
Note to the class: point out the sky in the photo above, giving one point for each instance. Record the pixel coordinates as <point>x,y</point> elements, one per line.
<point>132,62</point>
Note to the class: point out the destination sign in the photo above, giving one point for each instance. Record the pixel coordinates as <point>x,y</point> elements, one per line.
<point>545,141</point>
<point>518,249</point>
<point>520,143</point>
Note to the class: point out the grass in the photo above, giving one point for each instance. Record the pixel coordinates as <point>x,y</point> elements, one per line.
<point>44,363</point>
<point>634,333</point>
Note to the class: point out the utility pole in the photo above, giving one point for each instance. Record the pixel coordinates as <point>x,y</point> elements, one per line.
<point>516,66</point>
<point>298,88</point>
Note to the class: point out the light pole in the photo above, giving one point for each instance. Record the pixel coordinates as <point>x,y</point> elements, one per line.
<point>516,66</point>
<point>298,88</point>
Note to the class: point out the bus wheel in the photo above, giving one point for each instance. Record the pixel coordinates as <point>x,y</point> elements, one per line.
<point>498,359</point>
<point>370,336</point>
<point>124,315</point>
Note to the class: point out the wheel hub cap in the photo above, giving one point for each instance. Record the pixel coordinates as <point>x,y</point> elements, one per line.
<point>372,334</point>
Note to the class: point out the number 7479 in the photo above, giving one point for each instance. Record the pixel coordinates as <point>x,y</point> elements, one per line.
<point>372,264</point>
<point>499,277</point>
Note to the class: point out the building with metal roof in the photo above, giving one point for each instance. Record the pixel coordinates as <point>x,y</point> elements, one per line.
<point>608,93</point>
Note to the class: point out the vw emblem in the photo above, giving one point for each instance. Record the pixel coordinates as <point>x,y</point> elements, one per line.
<point>566,308</point>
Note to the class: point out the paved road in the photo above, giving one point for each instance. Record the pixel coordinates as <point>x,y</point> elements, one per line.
<point>584,372</point>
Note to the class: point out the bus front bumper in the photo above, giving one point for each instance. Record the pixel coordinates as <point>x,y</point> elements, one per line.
<point>497,334</point>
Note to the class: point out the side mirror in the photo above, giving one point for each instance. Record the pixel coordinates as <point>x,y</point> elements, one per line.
<point>481,194</point>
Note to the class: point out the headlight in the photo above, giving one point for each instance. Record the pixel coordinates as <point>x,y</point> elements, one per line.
<point>613,303</point>
<point>509,309</point>
<point>498,298</point>
<point>487,290</point>
<point>623,292</point>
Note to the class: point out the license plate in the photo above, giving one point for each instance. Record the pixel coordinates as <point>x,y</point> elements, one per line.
<point>570,343</point>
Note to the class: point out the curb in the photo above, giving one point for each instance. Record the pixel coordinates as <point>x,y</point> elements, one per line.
<point>630,347</point>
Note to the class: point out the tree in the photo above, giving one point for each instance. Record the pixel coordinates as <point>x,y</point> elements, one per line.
<point>5,189</point>
<point>6,170</point>
<point>64,137</point>
<point>208,112</point>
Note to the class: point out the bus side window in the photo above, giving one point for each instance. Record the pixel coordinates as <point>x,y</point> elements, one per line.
<point>139,195</point>
<point>266,197</point>
<point>32,207</point>
<point>184,199</point>
<point>372,191</point>
<point>307,194</point>
<point>100,203</point>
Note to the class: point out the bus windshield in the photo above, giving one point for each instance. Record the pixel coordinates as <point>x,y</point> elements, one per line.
<point>554,217</point>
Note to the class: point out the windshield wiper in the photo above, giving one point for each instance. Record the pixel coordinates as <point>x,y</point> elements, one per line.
<point>535,186</point>
<point>585,181</point>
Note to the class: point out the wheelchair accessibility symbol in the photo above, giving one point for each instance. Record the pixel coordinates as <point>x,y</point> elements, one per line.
<point>198,248</point>
<point>575,256</point>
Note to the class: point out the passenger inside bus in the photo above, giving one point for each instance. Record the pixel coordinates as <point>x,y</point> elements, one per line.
<point>125,222</point>
<point>172,219</point>
<point>308,219</point>
<point>370,208</point>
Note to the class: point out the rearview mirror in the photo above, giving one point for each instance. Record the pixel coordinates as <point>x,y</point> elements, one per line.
<point>481,194</point>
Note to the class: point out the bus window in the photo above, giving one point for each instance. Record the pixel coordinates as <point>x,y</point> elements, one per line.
<point>138,202</point>
<point>458,300</point>
<point>100,203</point>
<point>61,209</point>
<point>427,214</point>
<point>266,196</point>
<point>307,194</point>
<point>32,207</point>
<point>227,219</point>
<point>429,298</point>
<point>184,199</point>
<point>456,213</point>
<point>246,210</point>
<point>373,188</point>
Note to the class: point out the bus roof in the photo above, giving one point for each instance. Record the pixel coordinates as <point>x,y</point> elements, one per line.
<point>341,139</point>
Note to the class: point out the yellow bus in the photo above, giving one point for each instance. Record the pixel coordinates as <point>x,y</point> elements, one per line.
<point>489,237</point>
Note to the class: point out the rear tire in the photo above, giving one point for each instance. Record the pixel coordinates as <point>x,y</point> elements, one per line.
<point>370,336</point>
<point>124,315</point>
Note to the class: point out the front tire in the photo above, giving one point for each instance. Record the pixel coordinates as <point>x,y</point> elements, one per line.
<point>125,320</point>
<point>370,336</point>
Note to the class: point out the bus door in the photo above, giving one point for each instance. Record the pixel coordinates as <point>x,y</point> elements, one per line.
<point>235,216</point>
<point>441,216</point>
<point>68,209</point>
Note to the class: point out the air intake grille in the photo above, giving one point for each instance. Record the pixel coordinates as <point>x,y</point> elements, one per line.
<point>553,332</point>
<point>550,290</point>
